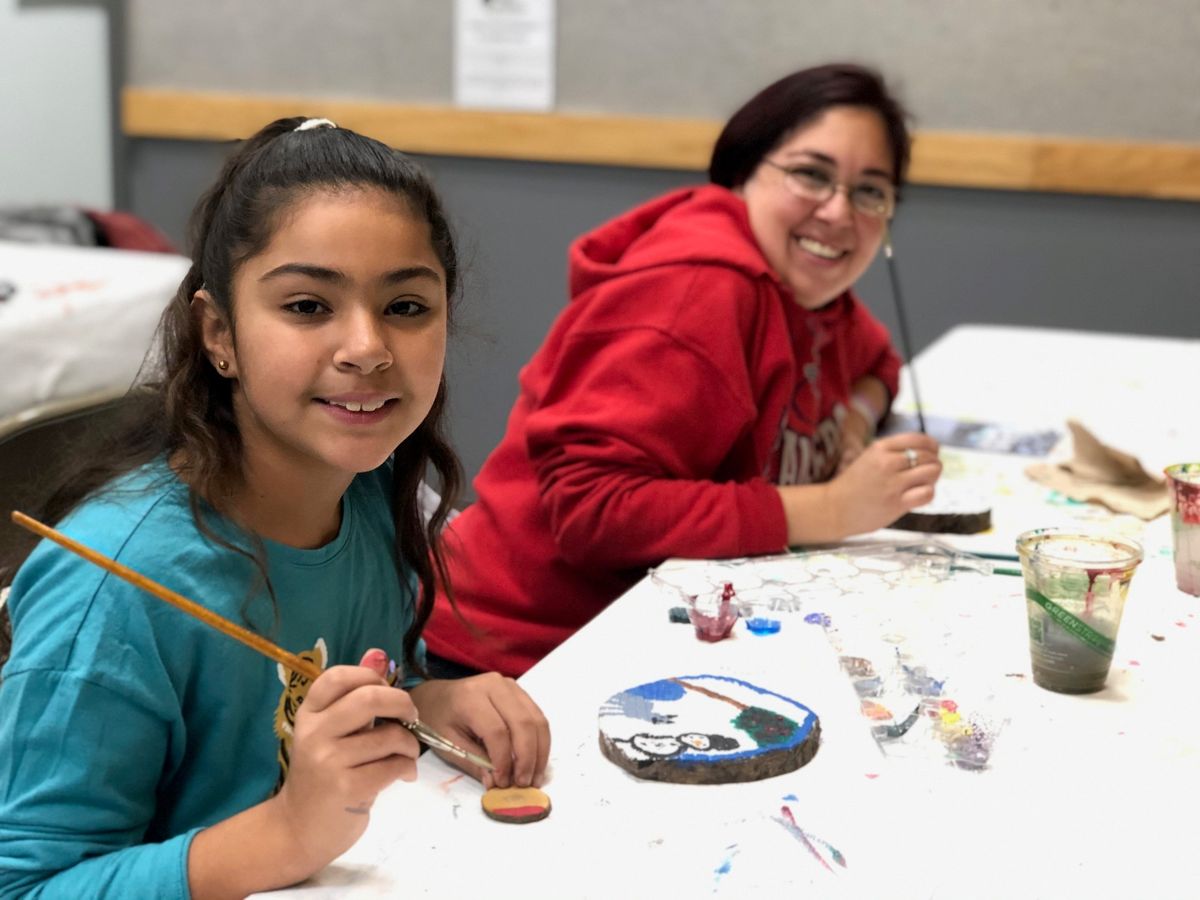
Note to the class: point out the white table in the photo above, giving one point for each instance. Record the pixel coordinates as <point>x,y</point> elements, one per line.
<point>1124,389</point>
<point>1086,796</point>
<point>1072,799</point>
<point>1131,391</point>
<point>77,325</point>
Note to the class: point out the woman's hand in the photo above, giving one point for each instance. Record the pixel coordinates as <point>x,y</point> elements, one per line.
<point>868,401</point>
<point>890,477</point>
<point>345,750</point>
<point>887,479</point>
<point>856,435</point>
<point>492,713</point>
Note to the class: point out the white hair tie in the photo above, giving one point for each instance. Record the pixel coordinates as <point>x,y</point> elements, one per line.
<point>314,123</point>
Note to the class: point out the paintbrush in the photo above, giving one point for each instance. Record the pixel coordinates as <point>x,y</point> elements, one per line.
<point>288,660</point>
<point>948,521</point>
<point>905,342</point>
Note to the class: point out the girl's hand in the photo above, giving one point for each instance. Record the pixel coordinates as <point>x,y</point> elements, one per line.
<point>492,713</point>
<point>880,485</point>
<point>342,757</point>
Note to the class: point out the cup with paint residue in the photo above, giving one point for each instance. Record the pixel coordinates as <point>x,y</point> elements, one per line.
<point>1184,479</point>
<point>1075,589</point>
<point>713,614</point>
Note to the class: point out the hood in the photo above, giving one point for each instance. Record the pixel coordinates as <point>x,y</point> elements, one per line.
<point>692,225</point>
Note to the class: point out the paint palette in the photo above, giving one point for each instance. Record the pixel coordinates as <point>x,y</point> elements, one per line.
<point>706,729</point>
<point>914,707</point>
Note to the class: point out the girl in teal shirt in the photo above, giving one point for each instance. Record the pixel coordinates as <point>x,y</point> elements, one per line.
<point>272,473</point>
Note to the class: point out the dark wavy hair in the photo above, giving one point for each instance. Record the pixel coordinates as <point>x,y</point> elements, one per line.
<point>766,120</point>
<point>183,409</point>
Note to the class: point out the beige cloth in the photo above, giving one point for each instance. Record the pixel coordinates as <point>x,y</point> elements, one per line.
<point>1100,474</point>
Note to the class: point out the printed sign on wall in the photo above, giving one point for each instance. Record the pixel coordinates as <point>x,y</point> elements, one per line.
<point>504,54</point>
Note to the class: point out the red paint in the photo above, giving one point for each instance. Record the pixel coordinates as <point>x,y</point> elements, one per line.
<point>1118,574</point>
<point>515,812</point>
<point>1134,662</point>
<point>799,832</point>
<point>375,659</point>
<point>875,711</point>
<point>871,774</point>
<point>1181,624</point>
<point>67,287</point>
<point>1187,500</point>
<point>716,628</point>
<point>1093,574</point>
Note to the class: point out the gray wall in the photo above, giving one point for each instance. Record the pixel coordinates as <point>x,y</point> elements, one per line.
<point>1079,262</point>
<point>54,57</point>
<point>1099,68</point>
<point>1082,68</point>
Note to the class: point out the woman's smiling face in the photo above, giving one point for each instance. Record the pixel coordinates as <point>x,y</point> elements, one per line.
<point>820,248</point>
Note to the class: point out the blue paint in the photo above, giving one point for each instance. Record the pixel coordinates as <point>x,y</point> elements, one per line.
<point>817,618</point>
<point>791,797</point>
<point>629,704</point>
<point>918,681</point>
<point>763,625</point>
<point>658,690</point>
<point>724,868</point>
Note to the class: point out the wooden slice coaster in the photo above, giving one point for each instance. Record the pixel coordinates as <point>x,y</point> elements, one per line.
<point>706,729</point>
<point>516,805</point>
<point>956,508</point>
<point>945,522</point>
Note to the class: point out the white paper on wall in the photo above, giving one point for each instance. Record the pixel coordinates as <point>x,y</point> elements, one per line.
<point>504,54</point>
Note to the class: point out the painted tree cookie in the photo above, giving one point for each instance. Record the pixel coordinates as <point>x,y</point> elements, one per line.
<point>706,729</point>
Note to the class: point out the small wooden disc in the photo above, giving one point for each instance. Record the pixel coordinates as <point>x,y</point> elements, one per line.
<point>958,508</point>
<point>516,805</point>
<point>945,522</point>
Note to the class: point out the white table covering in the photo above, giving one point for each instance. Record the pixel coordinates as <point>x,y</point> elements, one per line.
<point>1084,796</point>
<point>79,323</point>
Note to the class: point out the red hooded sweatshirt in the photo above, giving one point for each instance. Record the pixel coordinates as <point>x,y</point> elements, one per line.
<point>679,385</point>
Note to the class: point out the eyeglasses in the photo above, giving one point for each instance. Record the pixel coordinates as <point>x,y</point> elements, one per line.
<point>876,199</point>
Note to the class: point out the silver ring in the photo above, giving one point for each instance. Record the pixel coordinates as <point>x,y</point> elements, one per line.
<point>911,455</point>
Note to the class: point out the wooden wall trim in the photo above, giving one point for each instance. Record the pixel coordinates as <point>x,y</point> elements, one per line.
<point>952,159</point>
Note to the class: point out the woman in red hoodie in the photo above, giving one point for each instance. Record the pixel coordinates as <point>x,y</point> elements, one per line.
<point>712,388</point>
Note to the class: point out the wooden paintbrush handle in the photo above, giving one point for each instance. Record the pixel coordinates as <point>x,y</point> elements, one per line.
<point>207,616</point>
<point>256,642</point>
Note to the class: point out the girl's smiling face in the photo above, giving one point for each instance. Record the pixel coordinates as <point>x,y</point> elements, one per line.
<point>819,249</point>
<point>339,335</point>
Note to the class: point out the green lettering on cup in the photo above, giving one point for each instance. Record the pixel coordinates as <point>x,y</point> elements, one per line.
<point>1073,625</point>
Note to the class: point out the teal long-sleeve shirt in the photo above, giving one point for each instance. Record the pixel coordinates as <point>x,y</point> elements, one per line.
<point>127,726</point>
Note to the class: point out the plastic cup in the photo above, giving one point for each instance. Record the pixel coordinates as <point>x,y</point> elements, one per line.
<point>1075,589</point>
<point>713,615</point>
<point>1184,480</point>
